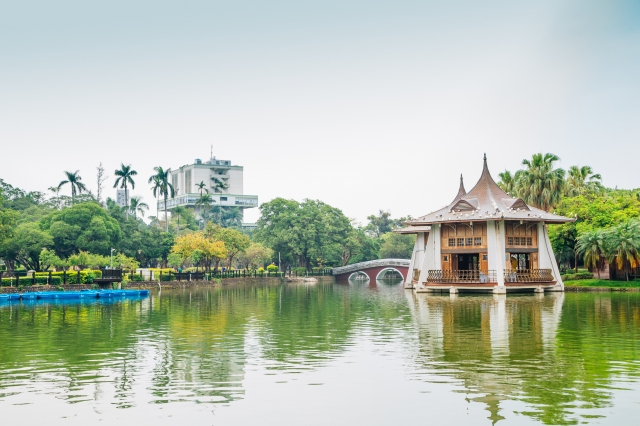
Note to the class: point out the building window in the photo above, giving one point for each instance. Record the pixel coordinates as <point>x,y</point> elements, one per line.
<point>452,242</point>
<point>510,241</point>
<point>223,198</point>
<point>516,241</point>
<point>529,241</point>
<point>469,242</point>
<point>174,182</point>
<point>477,241</point>
<point>460,242</point>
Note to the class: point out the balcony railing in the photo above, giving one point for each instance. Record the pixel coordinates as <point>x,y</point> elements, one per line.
<point>478,277</point>
<point>528,276</point>
<point>485,277</point>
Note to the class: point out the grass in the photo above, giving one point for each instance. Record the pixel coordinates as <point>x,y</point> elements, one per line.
<point>602,283</point>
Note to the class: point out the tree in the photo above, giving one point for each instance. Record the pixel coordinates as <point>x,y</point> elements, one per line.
<point>255,256</point>
<point>302,232</point>
<point>235,241</point>
<point>581,180</point>
<point>25,245</point>
<point>74,180</point>
<point>539,184</point>
<point>210,250</point>
<point>205,202</point>
<point>85,226</point>
<point>623,245</point>
<point>162,186</point>
<point>380,224</point>
<point>509,183</point>
<point>232,217</point>
<point>397,246</point>
<point>137,206</point>
<point>124,178</point>
<point>591,245</point>
<point>202,188</point>
<point>100,179</point>
<point>49,259</point>
<point>178,212</point>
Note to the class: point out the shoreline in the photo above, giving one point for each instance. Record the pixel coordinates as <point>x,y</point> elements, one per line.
<point>150,285</point>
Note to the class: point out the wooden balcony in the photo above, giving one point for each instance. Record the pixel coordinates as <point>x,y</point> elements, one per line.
<point>520,276</point>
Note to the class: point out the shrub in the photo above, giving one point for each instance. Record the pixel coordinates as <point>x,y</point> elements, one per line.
<point>28,281</point>
<point>578,276</point>
<point>272,268</point>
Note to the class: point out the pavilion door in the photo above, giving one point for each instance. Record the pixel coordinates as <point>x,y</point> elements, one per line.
<point>484,262</point>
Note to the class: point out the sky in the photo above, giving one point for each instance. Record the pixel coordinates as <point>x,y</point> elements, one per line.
<point>365,105</point>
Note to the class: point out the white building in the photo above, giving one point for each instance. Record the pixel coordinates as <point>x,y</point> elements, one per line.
<point>121,198</point>
<point>221,180</point>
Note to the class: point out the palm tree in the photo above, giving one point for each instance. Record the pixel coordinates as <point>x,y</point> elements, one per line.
<point>217,214</point>
<point>137,206</point>
<point>218,184</point>
<point>623,245</point>
<point>202,187</point>
<point>162,186</point>
<point>509,183</point>
<point>56,190</point>
<point>581,180</point>
<point>74,180</point>
<point>205,202</point>
<point>591,245</point>
<point>178,212</point>
<point>539,184</point>
<point>232,217</point>
<point>124,177</point>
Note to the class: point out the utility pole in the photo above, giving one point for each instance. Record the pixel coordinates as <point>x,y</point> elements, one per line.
<point>112,250</point>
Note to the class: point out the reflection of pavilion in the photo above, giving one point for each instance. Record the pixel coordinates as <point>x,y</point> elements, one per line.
<point>484,341</point>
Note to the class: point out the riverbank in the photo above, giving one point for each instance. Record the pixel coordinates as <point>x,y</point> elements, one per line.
<point>602,285</point>
<point>149,285</point>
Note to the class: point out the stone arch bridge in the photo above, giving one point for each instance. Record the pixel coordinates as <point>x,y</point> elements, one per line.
<point>372,269</point>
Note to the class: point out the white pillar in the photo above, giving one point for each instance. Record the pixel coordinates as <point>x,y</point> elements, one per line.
<point>416,258</point>
<point>546,259</point>
<point>495,249</point>
<point>431,254</point>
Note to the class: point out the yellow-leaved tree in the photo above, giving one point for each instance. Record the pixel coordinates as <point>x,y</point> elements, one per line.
<point>199,248</point>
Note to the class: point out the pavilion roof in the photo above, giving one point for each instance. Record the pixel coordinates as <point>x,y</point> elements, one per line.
<point>412,229</point>
<point>486,201</point>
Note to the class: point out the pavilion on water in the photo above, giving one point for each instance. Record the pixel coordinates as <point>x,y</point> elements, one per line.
<point>484,240</point>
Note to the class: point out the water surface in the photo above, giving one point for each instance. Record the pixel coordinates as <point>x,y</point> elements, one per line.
<point>294,354</point>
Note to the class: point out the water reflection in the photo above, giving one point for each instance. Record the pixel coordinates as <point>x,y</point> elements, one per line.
<point>560,358</point>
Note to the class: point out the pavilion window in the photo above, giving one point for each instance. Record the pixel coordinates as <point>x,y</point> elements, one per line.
<point>516,241</point>
<point>469,241</point>
<point>477,241</point>
<point>460,242</point>
<point>529,241</point>
<point>452,242</point>
<point>510,241</point>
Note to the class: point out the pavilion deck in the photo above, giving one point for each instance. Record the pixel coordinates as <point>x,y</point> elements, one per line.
<point>522,279</point>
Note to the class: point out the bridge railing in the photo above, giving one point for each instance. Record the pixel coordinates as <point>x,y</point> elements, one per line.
<point>371,264</point>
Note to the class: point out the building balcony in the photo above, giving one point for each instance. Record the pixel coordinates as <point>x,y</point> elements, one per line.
<point>220,199</point>
<point>520,276</point>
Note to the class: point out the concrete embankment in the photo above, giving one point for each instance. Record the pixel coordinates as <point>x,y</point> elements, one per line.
<point>149,285</point>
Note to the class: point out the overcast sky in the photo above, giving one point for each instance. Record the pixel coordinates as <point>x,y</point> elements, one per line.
<point>365,105</point>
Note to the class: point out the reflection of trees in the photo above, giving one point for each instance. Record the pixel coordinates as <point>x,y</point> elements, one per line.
<point>557,353</point>
<point>188,344</point>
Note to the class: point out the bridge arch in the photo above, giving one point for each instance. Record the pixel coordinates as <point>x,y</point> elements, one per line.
<point>372,269</point>
<point>385,270</point>
<point>359,274</point>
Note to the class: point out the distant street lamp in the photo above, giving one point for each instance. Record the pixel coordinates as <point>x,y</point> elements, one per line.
<point>112,250</point>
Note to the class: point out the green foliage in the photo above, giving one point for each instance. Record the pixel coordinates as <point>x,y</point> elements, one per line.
<point>397,246</point>
<point>234,241</point>
<point>49,259</point>
<point>272,268</point>
<point>25,245</point>
<point>85,226</point>
<point>302,232</point>
<point>578,276</point>
<point>40,280</point>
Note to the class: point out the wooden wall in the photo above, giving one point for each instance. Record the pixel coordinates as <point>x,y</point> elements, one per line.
<point>461,232</point>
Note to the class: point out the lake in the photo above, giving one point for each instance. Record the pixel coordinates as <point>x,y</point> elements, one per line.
<point>368,353</point>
